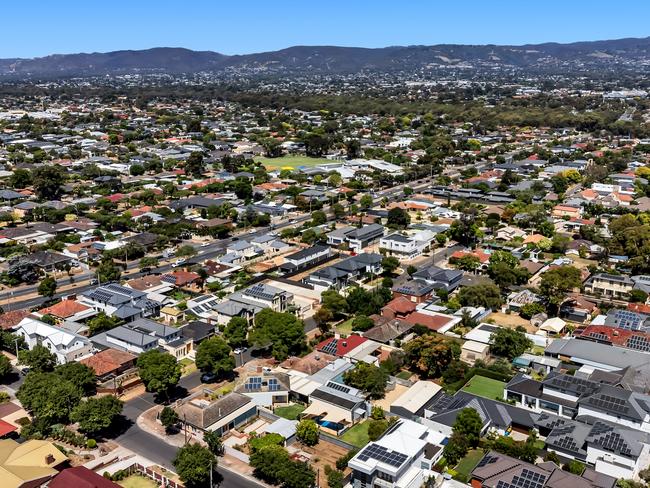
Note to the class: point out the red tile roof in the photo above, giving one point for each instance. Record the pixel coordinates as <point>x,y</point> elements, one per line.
<point>614,335</point>
<point>433,322</point>
<point>107,361</point>
<point>343,346</point>
<point>639,308</point>
<point>11,319</point>
<point>80,477</point>
<point>64,309</point>
<point>6,428</point>
<point>401,305</point>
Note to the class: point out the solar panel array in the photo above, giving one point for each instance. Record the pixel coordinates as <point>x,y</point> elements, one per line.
<point>487,460</point>
<point>382,454</point>
<point>600,428</point>
<point>640,343</point>
<point>628,320</point>
<point>101,295</point>
<point>259,291</point>
<point>528,479</point>
<point>598,336</point>
<point>331,347</point>
<point>254,383</point>
<point>274,385</point>
<point>572,383</point>
<point>615,443</point>
<point>566,443</point>
<point>610,403</point>
<point>338,386</point>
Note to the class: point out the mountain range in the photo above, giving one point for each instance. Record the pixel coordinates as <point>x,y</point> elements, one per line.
<point>631,53</point>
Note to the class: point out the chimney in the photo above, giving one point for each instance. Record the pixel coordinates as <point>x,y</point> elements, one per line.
<point>49,459</point>
<point>317,357</point>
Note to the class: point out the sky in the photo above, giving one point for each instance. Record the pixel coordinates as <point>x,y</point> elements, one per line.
<point>38,28</point>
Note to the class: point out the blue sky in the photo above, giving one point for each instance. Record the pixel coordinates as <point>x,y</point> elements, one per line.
<point>37,28</point>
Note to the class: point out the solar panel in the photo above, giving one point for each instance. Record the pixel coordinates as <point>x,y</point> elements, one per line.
<point>382,454</point>
<point>598,336</point>
<point>566,443</point>
<point>331,347</point>
<point>338,386</point>
<point>639,343</point>
<point>487,460</point>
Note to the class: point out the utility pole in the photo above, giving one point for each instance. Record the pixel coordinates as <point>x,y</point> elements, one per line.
<point>211,474</point>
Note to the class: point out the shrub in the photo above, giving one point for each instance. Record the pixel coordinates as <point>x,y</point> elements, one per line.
<point>91,443</point>
<point>342,462</point>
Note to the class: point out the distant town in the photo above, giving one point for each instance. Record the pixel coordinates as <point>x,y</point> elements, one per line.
<point>393,280</point>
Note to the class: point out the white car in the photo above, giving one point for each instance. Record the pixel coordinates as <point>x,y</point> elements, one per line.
<point>178,262</point>
<point>205,244</point>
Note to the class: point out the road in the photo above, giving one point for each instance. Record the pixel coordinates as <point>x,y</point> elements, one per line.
<point>158,451</point>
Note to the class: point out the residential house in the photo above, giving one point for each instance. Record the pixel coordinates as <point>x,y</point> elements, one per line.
<point>64,345</point>
<point>121,302</point>
<point>264,388</point>
<point>408,247</point>
<point>403,457</point>
<point>199,413</point>
<point>359,239</point>
<point>496,470</point>
<point>248,302</point>
<point>346,271</point>
<point>29,464</point>
<point>415,290</point>
<point>609,285</point>
<point>305,258</point>
<point>441,279</point>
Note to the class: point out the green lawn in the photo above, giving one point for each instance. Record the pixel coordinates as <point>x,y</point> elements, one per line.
<point>469,462</point>
<point>485,387</point>
<point>345,327</point>
<point>137,481</point>
<point>404,375</point>
<point>291,412</point>
<point>357,435</point>
<point>290,162</point>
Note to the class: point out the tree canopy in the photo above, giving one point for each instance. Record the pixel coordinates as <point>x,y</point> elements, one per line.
<point>509,343</point>
<point>429,355</point>
<point>215,356</point>
<point>284,332</point>
<point>193,463</point>
<point>97,414</point>
<point>368,378</point>
<point>159,371</point>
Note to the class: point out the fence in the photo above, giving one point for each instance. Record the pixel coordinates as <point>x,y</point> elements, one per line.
<point>157,477</point>
<point>236,454</point>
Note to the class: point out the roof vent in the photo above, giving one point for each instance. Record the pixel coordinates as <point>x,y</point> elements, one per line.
<point>345,343</point>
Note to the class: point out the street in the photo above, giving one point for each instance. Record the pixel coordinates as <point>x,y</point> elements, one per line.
<point>158,451</point>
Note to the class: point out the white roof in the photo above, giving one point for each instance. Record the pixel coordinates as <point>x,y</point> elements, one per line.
<point>475,346</point>
<point>417,395</point>
<point>554,324</point>
<point>56,335</point>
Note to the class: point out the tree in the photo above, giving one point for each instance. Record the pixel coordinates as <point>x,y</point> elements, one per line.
<point>273,465</point>
<point>284,332</point>
<point>467,262</point>
<point>556,283</point>
<point>185,251</point>
<point>455,449</point>
<point>307,432</point>
<point>194,464</point>
<point>194,165</point>
<point>5,366</point>
<point>398,218</point>
<point>80,375</point>
<point>48,181</point>
<point>213,440</point>
<point>338,210</point>
<point>20,178</point>
<point>488,296</point>
<point>38,359</point>
<point>469,424</point>
<point>168,418</point>
<point>159,371</point>
<point>107,271</point>
<point>366,202</point>
<point>574,467</point>
<point>527,311</point>
<point>389,264</point>
<point>215,356</point>
<point>362,323</point>
<point>236,331</point>
<point>47,287</point>
<point>334,302</point>
<point>429,355</point>
<point>102,322</point>
<point>509,343</point>
<point>136,170</point>
<point>318,218</point>
<point>48,397</point>
<point>334,477</point>
<point>637,296</point>
<point>376,428</point>
<point>367,377</point>
<point>148,262</point>
<point>96,414</point>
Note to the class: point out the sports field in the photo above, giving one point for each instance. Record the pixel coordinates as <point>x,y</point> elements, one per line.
<point>290,162</point>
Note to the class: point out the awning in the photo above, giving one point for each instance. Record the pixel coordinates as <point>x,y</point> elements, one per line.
<point>6,428</point>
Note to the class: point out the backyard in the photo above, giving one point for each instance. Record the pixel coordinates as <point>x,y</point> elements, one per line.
<point>357,435</point>
<point>291,162</point>
<point>469,462</point>
<point>290,412</point>
<point>485,387</point>
<point>137,481</point>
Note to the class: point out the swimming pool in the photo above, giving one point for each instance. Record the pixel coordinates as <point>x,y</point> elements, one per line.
<point>335,426</point>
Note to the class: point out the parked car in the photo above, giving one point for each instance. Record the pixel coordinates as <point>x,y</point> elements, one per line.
<point>178,262</point>
<point>240,350</point>
<point>208,377</point>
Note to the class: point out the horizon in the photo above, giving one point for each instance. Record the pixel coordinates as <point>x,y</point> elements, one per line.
<point>74,27</point>
<point>325,45</point>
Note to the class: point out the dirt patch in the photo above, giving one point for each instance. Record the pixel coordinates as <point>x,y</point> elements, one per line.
<point>511,321</point>
<point>390,397</point>
<point>322,454</point>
